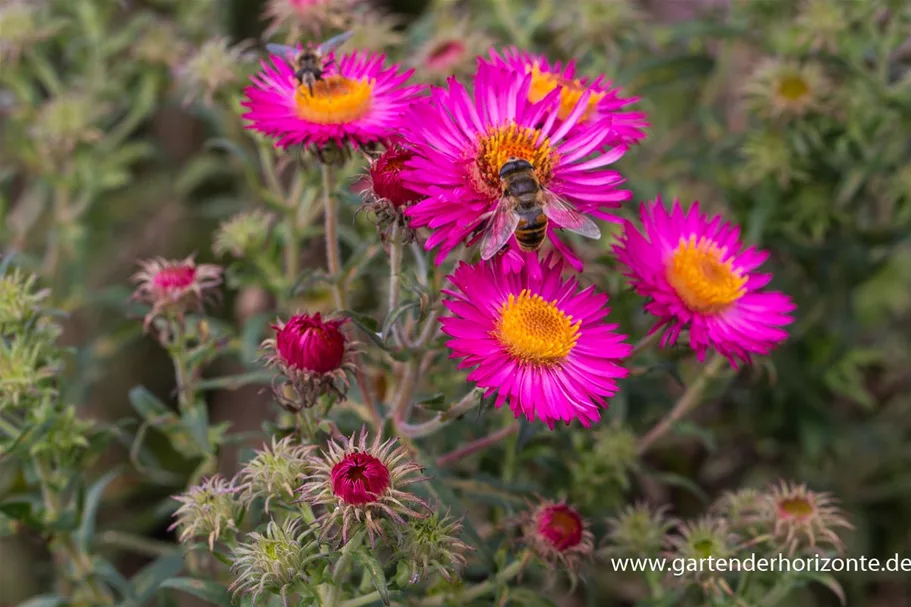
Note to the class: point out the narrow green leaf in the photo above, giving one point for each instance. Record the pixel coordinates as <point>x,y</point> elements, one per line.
<point>394,315</point>
<point>368,326</point>
<point>207,590</point>
<point>149,579</point>
<point>375,570</point>
<point>45,600</point>
<point>234,382</point>
<point>90,509</point>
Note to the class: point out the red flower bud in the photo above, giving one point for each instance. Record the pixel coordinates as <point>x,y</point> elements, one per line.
<point>561,526</point>
<point>385,175</point>
<point>308,343</point>
<point>359,478</point>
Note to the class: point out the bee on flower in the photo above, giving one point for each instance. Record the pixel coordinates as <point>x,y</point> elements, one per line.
<point>468,145</point>
<point>313,356</point>
<point>362,486</point>
<point>697,275</point>
<point>357,101</point>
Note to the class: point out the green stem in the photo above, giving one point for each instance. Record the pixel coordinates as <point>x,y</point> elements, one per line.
<point>8,428</point>
<point>332,597</point>
<point>477,445</point>
<point>333,252</point>
<point>468,402</point>
<point>367,599</point>
<point>645,344</point>
<point>136,543</point>
<point>489,585</point>
<point>688,402</point>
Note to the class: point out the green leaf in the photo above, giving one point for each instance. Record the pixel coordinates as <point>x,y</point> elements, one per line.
<point>394,315</point>
<point>676,480</point>
<point>437,402</point>
<point>375,570</point>
<point>93,496</point>
<point>235,382</point>
<point>149,579</point>
<point>207,590</point>
<point>45,600</point>
<point>368,326</point>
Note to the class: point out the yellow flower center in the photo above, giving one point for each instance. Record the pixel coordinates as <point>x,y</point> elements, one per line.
<point>542,83</point>
<point>793,88</point>
<point>703,281</point>
<point>501,143</point>
<point>796,507</point>
<point>535,331</point>
<point>335,100</point>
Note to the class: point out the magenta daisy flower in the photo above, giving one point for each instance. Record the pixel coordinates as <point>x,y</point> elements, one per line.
<point>463,140</point>
<point>697,274</point>
<point>626,127</point>
<point>359,101</point>
<point>542,345</point>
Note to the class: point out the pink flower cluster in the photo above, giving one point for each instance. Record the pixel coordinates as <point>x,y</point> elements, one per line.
<point>516,159</point>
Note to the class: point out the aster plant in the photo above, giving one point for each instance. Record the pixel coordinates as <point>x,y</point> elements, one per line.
<point>368,403</point>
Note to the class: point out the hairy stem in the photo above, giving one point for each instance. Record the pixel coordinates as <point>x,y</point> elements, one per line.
<point>333,252</point>
<point>687,403</point>
<point>477,445</point>
<point>468,402</point>
<point>489,585</point>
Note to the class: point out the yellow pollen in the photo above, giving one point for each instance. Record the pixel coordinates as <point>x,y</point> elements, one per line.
<point>501,143</point>
<point>542,83</point>
<point>793,88</point>
<point>535,331</point>
<point>704,282</point>
<point>796,507</point>
<point>335,100</point>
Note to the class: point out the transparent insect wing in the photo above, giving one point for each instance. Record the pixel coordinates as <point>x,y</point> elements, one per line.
<point>336,41</point>
<point>282,50</point>
<point>499,228</point>
<point>568,218</point>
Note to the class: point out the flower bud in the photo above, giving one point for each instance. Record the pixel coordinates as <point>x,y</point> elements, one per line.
<point>306,17</point>
<point>387,194</point>
<point>639,530</point>
<point>701,539</point>
<point>362,486</point>
<point>432,544</point>
<point>65,121</point>
<point>160,44</point>
<point>804,519</point>
<point>206,510</point>
<point>174,287</point>
<point>742,509</point>
<point>313,354</point>
<point>785,90</point>
<point>275,560</point>
<point>243,235</point>
<point>450,51</point>
<point>558,534</point>
<point>22,24</point>
<point>19,300</point>
<point>602,477</point>
<point>217,65</point>
<point>275,472</point>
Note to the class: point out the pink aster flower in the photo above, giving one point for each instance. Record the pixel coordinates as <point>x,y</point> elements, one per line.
<point>463,140</point>
<point>626,127</point>
<point>697,274</point>
<point>559,536</point>
<point>542,345</point>
<point>358,102</point>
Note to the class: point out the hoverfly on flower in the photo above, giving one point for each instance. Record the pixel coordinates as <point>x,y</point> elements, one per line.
<point>525,210</point>
<point>312,62</point>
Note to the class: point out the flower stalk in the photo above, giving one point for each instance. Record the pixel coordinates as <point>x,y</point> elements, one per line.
<point>333,251</point>
<point>688,402</point>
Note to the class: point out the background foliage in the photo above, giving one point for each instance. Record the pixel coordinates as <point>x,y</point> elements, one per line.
<point>122,140</point>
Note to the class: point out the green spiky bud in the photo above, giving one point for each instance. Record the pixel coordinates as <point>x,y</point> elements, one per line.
<point>275,560</point>
<point>432,544</point>
<point>274,472</point>
<point>207,510</point>
<point>244,234</point>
